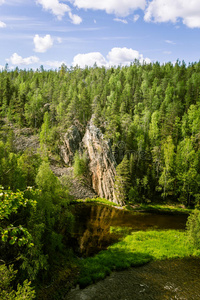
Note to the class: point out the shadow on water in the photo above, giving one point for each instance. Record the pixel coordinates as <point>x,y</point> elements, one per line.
<point>92,230</point>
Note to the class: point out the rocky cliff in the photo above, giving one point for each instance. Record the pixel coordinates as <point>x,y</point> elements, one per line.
<point>101,160</point>
<point>71,143</point>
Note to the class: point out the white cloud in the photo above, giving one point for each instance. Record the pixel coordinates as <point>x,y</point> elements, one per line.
<point>59,9</point>
<point>120,20</point>
<point>16,59</point>
<point>2,67</point>
<point>118,7</point>
<point>42,44</point>
<point>170,42</point>
<point>167,52</point>
<point>89,60</point>
<point>54,64</point>
<point>124,56</point>
<point>55,7</point>
<point>2,1</point>
<point>116,57</point>
<point>173,10</point>
<point>136,18</point>
<point>2,24</point>
<point>75,19</point>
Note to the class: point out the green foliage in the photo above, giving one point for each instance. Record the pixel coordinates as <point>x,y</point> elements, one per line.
<point>7,292</point>
<point>167,176</point>
<point>45,223</point>
<point>122,181</point>
<point>10,204</point>
<point>150,113</point>
<point>135,249</point>
<point>52,190</point>
<point>45,179</point>
<point>153,110</point>
<point>98,200</point>
<point>80,165</point>
<point>193,228</point>
<point>28,163</point>
<point>44,134</point>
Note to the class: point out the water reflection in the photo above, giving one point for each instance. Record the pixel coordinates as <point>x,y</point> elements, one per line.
<point>93,222</point>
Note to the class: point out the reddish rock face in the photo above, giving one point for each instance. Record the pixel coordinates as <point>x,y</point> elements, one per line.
<point>102,163</point>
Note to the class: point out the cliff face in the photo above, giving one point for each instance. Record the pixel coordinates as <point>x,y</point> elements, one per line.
<point>102,163</point>
<point>71,142</point>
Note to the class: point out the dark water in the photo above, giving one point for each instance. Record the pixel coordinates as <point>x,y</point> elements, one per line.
<point>158,280</point>
<point>93,222</point>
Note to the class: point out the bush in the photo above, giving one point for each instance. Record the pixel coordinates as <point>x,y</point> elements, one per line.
<point>80,165</point>
<point>193,228</point>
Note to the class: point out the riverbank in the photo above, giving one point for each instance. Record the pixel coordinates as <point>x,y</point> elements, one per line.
<point>106,239</point>
<point>140,207</point>
<point>135,249</point>
<point>157,280</point>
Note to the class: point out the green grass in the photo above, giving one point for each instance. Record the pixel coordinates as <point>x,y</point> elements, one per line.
<point>135,249</point>
<point>120,230</point>
<point>96,200</point>
<point>139,207</point>
<point>161,208</point>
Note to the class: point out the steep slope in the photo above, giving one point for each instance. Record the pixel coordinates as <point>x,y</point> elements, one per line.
<point>101,161</point>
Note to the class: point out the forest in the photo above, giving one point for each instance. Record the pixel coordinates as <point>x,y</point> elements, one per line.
<point>150,113</point>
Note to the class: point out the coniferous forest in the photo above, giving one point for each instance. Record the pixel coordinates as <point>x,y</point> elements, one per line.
<point>150,113</point>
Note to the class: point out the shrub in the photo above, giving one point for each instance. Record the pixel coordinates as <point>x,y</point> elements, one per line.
<point>193,228</point>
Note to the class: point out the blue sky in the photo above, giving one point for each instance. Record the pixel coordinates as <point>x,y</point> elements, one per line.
<point>108,32</point>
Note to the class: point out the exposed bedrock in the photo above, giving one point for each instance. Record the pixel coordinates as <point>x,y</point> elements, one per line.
<point>102,164</point>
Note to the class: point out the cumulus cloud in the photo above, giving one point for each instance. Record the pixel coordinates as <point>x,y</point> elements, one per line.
<point>2,24</point>
<point>42,44</point>
<point>155,10</point>
<point>16,59</point>
<point>59,9</point>
<point>120,20</point>
<point>89,59</point>
<point>2,1</point>
<point>116,57</point>
<point>124,56</point>
<point>118,7</point>
<point>55,7</point>
<point>173,10</point>
<point>75,19</point>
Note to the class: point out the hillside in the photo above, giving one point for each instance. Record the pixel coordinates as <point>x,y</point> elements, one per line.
<point>148,114</point>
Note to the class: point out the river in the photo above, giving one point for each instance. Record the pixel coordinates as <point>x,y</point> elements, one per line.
<point>93,223</point>
<point>158,280</point>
